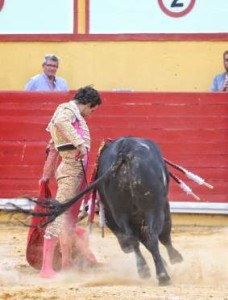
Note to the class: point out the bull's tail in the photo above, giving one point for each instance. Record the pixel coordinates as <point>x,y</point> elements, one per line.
<point>53,208</point>
<point>112,169</point>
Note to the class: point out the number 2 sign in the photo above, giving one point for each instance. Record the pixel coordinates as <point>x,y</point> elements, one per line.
<point>176,8</point>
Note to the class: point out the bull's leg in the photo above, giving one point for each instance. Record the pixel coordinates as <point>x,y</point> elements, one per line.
<point>153,224</point>
<point>128,243</point>
<point>165,238</point>
<point>142,267</point>
<point>161,272</point>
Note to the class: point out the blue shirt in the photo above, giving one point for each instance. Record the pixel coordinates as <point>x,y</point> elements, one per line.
<point>218,83</point>
<point>40,82</point>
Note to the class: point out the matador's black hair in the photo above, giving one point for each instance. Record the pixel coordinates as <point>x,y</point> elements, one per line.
<point>88,95</point>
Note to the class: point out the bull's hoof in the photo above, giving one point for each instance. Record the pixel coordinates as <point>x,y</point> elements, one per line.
<point>164,279</point>
<point>144,273</point>
<point>176,257</point>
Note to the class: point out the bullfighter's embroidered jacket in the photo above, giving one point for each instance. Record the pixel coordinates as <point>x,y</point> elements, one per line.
<point>61,126</point>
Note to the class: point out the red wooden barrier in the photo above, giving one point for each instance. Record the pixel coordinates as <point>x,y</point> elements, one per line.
<point>191,129</point>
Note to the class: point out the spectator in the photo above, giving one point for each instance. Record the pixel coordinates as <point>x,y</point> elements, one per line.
<point>47,81</point>
<point>220,82</point>
<point>70,139</point>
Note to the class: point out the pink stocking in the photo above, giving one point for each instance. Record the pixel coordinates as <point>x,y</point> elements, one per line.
<point>82,247</point>
<point>47,270</point>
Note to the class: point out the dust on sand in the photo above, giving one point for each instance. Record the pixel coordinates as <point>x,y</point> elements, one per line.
<point>202,275</point>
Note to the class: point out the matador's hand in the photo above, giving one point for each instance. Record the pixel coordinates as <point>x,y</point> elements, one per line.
<point>43,179</point>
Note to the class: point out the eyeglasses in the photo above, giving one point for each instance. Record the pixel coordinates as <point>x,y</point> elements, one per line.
<point>51,66</point>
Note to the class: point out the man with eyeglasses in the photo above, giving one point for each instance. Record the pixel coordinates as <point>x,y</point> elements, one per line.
<point>47,81</point>
<point>220,82</point>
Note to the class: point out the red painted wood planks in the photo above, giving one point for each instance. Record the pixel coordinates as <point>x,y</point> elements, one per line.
<point>191,129</point>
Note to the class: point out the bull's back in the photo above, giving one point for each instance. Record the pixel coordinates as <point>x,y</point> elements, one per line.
<point>142,173</point>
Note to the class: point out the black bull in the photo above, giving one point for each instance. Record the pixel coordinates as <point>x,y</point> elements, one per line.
<point>133,183</point>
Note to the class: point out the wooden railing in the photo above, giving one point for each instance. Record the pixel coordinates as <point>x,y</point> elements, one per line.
<point>191,129</point>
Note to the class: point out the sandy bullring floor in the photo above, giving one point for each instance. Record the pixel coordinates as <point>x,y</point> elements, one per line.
<point>202,275</point>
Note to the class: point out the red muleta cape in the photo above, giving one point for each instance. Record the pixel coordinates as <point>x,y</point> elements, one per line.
<point>35,240</point>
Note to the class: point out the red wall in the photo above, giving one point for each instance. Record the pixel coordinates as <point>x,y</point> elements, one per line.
<point>191,129</point>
